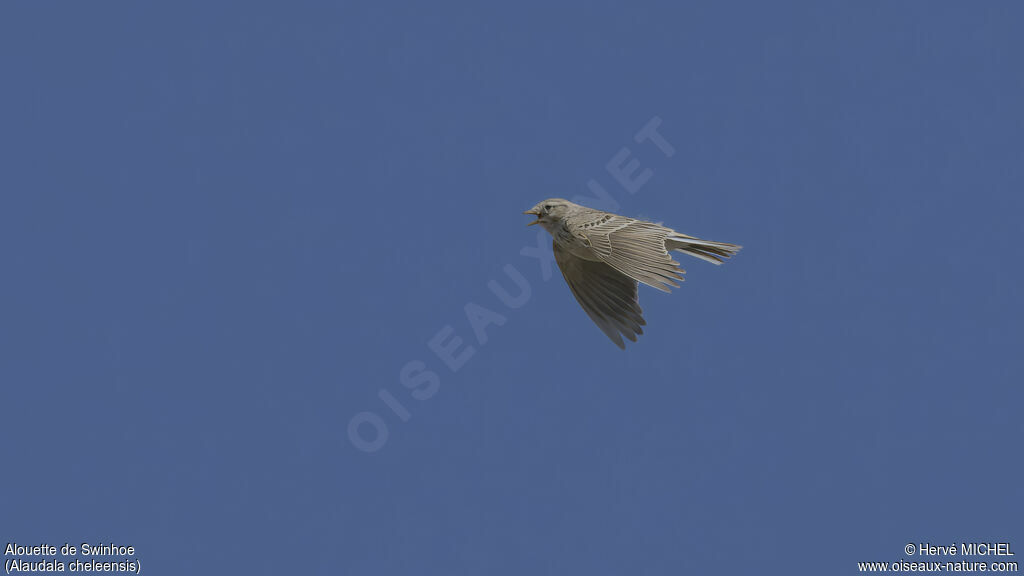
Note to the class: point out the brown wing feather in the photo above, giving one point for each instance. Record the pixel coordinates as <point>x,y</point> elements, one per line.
<point>633,247</point>
<point>606,295</point>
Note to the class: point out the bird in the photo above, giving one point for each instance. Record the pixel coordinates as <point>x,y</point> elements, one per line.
<point>604,257</point>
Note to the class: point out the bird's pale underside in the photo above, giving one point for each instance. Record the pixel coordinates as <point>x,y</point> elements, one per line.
<point>603,257</point>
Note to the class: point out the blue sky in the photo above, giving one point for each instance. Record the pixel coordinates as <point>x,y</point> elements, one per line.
<point>226,228</point>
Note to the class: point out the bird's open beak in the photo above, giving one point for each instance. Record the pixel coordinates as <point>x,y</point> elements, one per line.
<point>534,212</point>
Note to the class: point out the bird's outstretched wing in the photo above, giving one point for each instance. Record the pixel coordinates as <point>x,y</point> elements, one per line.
<point>633,247</point>
<point>606,295</point>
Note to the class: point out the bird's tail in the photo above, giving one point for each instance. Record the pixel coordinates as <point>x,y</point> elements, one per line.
<point>714,252</point>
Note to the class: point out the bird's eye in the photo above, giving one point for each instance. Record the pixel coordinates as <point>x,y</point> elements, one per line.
<point>547,207</point>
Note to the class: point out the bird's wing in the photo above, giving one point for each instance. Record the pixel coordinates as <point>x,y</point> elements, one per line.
<point>633,247</point>
<point>606,295</point>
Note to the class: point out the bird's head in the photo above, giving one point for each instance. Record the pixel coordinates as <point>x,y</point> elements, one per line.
<point>550,212</point>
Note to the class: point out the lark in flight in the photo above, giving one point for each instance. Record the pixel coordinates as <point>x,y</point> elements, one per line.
<point>603,257</point>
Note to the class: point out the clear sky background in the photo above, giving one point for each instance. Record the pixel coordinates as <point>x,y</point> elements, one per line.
<point>226,227</point>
